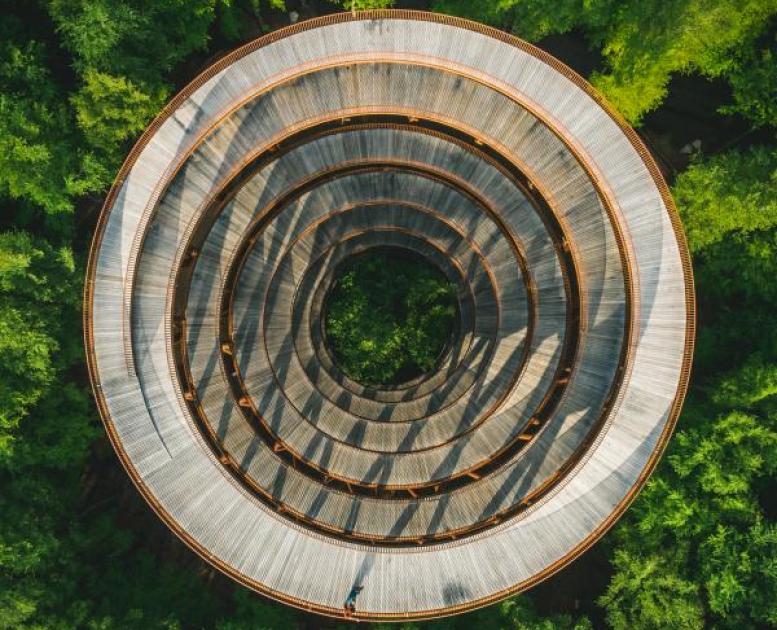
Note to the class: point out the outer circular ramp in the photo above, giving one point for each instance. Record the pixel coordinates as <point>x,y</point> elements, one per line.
<point>217,249</point>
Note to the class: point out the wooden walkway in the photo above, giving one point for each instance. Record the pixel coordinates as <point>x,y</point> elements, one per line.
<point>208,281</point>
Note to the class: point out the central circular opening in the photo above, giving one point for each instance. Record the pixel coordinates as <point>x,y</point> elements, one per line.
<point>390,316</point>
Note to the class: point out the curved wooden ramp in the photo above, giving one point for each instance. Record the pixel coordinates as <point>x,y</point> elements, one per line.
<point>208,279</point>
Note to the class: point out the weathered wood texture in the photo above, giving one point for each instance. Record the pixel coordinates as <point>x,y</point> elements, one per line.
<point>208,278</point>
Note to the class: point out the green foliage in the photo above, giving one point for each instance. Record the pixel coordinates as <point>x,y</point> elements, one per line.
<point>89,575</point>
<point>46,421</point>
<point>50,152</point>
<point>697,543</point>
<point>754,256</point>
<point>751,387</point>
<point>644,42</point>
<point>111,110</point>
<point>739,573</point>
<point>140,39</point>
<point>530,19</point>
<point>728,192</point>
<point>647,592</point>
<point>729,208</point>
<point>519,614</point>
<point>699,526</point>
<point>122,51</point>
<point>39,298</point>
<point>38,160</point>
<point>389,317</point>
<point>753,79</point>
<point>254,613</point>
<point>364,5</point>
<point>652,40</point>
<point>27,370</point>
<point>723,461</point>
<point>738,298</point>
<point>237,17</point>
<point>515,613</point>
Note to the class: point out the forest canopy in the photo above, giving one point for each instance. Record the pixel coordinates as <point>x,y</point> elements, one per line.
<point>81,79</point>
<point>389,317</point>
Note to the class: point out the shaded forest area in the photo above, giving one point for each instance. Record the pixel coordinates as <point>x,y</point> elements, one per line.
<point>389,317</point>
<point>80,79</point>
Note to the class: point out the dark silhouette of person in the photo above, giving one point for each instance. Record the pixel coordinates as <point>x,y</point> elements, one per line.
<point>350,601</point>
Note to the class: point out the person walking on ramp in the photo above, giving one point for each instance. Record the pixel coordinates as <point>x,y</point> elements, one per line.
<point>350,601</point>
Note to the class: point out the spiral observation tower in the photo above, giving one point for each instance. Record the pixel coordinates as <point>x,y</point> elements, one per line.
<point>219,243</point>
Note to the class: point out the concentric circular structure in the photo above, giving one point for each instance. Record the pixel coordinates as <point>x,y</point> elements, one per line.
<point>219,245</point>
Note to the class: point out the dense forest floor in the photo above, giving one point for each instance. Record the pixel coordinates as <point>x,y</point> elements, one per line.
<point>80,79</point>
